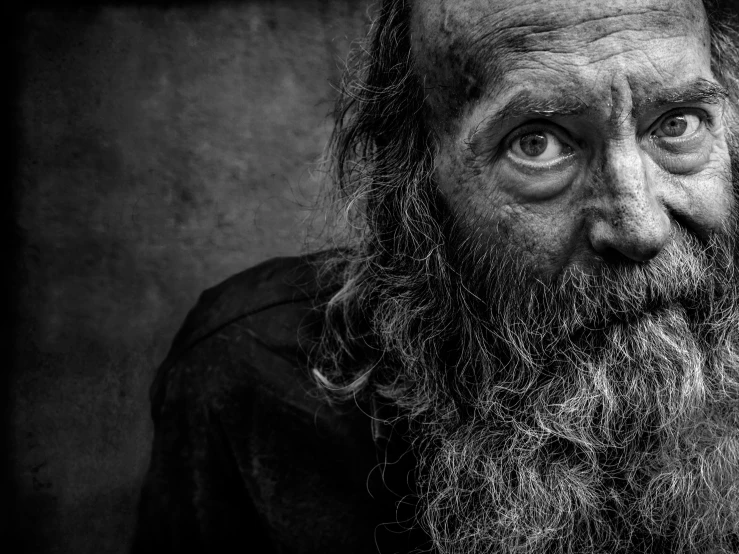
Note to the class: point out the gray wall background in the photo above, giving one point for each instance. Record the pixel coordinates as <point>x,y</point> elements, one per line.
<point>161,151</point>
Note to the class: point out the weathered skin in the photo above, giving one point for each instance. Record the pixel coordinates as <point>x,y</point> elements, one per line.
<point>611,187</point>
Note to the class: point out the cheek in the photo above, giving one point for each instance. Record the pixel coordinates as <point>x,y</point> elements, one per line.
<point>712,204</point>
<point>470,191</point>
<point>544,235</point>
<point>708,198</point>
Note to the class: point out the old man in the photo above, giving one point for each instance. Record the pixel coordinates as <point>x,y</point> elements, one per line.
<point>531,342</point>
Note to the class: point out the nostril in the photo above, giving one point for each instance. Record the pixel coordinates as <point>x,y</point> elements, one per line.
<point>638,242</point>
<point>645,252</point>
<point>633,251</point>
<point>611,256</point>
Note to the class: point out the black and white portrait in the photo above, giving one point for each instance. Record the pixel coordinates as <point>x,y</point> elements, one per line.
<point>409,276</point>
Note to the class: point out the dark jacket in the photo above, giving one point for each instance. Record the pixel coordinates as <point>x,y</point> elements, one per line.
<point>247,457</point>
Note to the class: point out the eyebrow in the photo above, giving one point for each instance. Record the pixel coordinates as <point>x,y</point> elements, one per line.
<point>528,105</point>
<point>522,105</point>
<point>699,91</point>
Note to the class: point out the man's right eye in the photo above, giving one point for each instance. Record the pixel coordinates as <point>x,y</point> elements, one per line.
<point>539,160</point>
<point>538,147</point>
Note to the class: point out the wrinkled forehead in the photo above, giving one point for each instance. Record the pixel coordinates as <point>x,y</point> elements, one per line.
<point>466,43</point>
<point>519,24</point>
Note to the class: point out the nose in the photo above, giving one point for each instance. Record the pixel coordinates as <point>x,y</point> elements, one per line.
<point>631,219</point>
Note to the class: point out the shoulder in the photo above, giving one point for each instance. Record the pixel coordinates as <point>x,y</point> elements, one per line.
<point>256,328</point>
<point>239,429</point>
<point>294,283</point>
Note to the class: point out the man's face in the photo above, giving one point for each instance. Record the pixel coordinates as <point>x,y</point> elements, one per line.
<point>585,130</point>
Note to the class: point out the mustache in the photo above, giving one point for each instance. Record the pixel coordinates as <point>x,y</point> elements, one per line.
<point>696,276</point>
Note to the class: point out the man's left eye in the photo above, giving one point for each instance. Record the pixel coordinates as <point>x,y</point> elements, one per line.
<point>677,124</point>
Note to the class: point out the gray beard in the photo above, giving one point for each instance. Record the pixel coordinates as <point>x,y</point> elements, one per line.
<point>592,413</point>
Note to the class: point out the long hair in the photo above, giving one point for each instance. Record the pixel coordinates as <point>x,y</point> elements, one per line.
<point>381,160</point>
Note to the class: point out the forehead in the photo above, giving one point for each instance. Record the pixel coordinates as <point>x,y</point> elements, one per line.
<point>577,21</point>
<point>463,45</point>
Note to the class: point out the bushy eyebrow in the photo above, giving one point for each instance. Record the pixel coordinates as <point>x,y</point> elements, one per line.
<point>700,91</point>
<point>528,105</point>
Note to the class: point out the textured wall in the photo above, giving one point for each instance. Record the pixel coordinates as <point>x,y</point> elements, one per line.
<point>161,151</point>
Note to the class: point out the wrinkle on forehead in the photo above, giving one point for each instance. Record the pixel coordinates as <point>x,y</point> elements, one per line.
<point>466,46</point>
<point>505,26</point>
<point>588,40</point>
<point>454,18</point>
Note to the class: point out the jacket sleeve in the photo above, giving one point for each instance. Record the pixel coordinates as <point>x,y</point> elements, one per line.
<point>194,498</point>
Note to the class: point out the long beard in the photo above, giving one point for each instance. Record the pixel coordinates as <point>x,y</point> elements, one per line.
<point>594,413</point>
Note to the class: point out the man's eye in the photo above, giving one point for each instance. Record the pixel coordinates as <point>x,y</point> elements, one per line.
<point>539,146</point>
<point>677,124</point>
